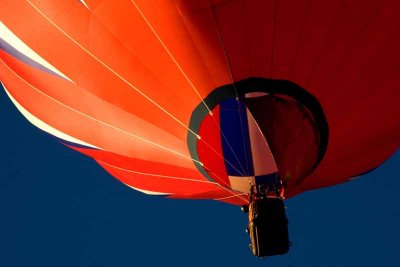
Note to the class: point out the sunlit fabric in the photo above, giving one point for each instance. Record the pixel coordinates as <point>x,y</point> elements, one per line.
<point>199,99</point>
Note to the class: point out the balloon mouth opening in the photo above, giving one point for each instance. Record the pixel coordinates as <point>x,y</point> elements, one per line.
<point>255,131</point>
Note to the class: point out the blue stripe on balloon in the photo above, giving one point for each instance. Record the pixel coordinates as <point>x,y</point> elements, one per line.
<point>236,144</point>
<point>6,47</point>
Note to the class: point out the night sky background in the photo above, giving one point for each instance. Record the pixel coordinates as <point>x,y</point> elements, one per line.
<point>59,208</point>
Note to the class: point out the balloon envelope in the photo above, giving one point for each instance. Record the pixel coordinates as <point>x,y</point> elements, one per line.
<point>197,99</point>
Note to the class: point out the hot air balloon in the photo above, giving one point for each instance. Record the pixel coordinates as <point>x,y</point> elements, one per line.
<point>246,102</point>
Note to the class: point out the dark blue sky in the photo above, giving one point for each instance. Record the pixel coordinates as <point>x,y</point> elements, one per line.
<point>58,208</point>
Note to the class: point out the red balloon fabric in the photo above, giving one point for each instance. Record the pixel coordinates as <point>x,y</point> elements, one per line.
<point>200,99</point>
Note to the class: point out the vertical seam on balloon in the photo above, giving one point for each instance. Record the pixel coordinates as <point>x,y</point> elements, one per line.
<point>104,123</point>
<point>230,147</point>
<point>171,56</point>
<point>221,132</point>
<point>195,44</point>
<point>224,158</point>
<point>233,83</point>
<point>131,52</point>
<point>110,69</point>
<point>243,141</point>
<point>217,151</point>
<point>157,175</point>
<point>265,139</point>
<point>249,61</point>
<point>180,69</point>
<point>215,122</point>
<point>127,82</point>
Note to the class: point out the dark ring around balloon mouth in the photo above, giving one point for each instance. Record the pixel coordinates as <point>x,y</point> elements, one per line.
<point>250,85</point>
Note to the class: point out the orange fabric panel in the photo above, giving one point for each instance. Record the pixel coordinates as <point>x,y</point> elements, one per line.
<point>90,129</point>
<point>49,84</point>
<point>126,23</point>
<point>106,66</point>
<point>140,65</point>
<point>177,39</point>
<point>48,110</point>
<point>93,4</point>
<point>46,40</point>
<point>167,169</point>
<point>82,101</point>
<point>159,184</point>
<point>205,34</point>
